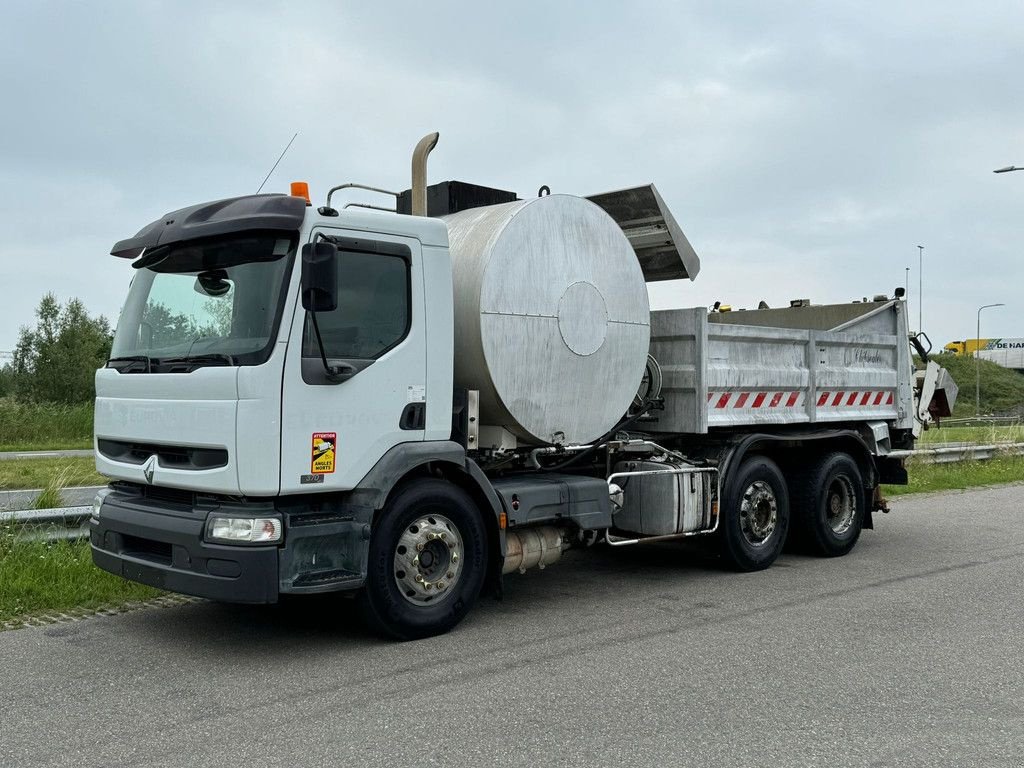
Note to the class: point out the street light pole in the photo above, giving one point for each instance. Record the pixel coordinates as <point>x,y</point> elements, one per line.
<point>977,356</point>
<point>920,288</point>
<point>977,361</point>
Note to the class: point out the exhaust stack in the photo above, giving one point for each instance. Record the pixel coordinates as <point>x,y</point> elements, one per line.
<point>419,173</point>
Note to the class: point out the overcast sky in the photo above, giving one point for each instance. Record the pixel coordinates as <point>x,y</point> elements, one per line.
<point>806,149</point>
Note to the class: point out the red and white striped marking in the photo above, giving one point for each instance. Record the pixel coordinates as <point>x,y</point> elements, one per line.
<point>761,400</point>
<point>857,398</point>
<point>860,398</point>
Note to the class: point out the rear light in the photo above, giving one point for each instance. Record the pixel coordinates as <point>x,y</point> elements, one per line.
<point>243,530</point>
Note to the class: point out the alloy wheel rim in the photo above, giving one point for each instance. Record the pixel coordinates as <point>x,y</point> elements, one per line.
<point>759,513</point>
<point>428,560</point>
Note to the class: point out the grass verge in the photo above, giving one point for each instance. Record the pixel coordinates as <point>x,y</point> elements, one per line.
<point>41,577</point>
<point>1002,389</point>
<point>982,435</point>
<point>959,475</point>
<point>19,474</point>
<point>44,426</point>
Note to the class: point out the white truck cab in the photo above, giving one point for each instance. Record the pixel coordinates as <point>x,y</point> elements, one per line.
<point>225,396</point>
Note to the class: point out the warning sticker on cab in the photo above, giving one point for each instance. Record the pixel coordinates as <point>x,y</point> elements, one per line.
<point>325,449</point>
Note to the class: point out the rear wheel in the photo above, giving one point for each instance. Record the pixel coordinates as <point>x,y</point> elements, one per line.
<point>828,506</point>
<point>755,515</point>
<point>427,560</point>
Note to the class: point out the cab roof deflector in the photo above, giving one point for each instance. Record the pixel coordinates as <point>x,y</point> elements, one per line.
<point>220,217</point>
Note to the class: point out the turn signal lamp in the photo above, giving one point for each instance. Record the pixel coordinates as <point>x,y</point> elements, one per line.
<point>243,530</point>
<point>301,189</point>
<point>97,502</point>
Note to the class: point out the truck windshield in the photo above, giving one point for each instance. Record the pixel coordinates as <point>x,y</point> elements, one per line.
<point>209,302</point>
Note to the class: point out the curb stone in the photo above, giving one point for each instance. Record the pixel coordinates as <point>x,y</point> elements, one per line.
<point>50,618</point>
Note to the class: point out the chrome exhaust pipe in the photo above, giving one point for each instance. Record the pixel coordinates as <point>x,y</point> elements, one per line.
<point>419,173</point>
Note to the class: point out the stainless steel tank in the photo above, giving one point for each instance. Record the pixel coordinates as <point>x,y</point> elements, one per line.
<point>552,320</point>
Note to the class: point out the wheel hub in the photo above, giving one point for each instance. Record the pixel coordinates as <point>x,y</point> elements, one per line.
<point>428,559</point>
<point>840,505</point>
<point>759,513</point>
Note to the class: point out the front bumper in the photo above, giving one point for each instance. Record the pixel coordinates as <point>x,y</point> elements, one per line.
<point>161,543</point>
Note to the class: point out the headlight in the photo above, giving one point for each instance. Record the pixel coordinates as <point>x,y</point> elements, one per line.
<point>97,502</point>
<point>243,530</point>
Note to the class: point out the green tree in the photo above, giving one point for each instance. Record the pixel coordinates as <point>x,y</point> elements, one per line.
<point>6,380</point>
<point>56,360</point>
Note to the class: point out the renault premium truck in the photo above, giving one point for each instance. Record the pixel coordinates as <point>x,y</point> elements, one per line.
<point>409,404</point>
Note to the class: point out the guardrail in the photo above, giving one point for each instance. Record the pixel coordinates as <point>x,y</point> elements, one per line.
<point>72,496</point>
<point>67,523</point>
<point>71,523</point>
<point>950,454</point>
<point>987,421</point>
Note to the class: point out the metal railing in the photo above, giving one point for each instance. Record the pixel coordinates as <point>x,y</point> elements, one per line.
<point>60,523</point>
<point>984,421</point>
<point>950,454</point>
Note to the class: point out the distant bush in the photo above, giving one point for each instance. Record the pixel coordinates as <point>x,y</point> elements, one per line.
<point>6,380</point>
<point>56,360</point>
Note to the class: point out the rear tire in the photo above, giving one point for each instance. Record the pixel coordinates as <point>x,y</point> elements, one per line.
<point>427,561</point>
<point>829,502</point>
<point>755,515</point>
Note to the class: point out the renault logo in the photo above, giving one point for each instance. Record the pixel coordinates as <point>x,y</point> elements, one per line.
<point>148,468</point>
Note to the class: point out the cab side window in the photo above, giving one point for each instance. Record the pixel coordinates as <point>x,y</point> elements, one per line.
<point>373,310</point>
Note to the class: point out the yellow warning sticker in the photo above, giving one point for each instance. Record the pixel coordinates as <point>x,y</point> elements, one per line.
<point>325,449</point>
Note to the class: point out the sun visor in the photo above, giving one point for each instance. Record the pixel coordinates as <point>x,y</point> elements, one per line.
<point>661,247</point>
<point>220,217</point>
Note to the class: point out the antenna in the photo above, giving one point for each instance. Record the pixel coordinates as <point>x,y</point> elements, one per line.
<point>278,161</point>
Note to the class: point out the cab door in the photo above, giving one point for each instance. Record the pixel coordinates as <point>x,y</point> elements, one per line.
<point>333,432</point>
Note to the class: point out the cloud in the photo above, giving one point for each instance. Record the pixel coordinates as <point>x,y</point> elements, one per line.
<point>806,150</point>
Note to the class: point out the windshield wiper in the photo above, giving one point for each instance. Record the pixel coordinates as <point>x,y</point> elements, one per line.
<point>212,357</point>
<point>131,360</point>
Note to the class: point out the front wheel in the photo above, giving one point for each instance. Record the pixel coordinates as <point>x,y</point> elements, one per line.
<point>755,515</point>
<point>427,561</point>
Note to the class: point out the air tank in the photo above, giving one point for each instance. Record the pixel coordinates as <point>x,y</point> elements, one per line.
<point>552,320</point>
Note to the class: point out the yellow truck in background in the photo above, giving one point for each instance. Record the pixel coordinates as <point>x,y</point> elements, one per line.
<point>1008,353</point>
<point>966,348</point>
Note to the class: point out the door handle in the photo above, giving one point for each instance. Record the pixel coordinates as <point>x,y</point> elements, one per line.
<point>414,416</point>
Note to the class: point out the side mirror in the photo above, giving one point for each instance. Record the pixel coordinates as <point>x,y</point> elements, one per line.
<point>319,277</point>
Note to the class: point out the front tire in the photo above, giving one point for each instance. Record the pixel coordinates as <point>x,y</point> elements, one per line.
<point>755,515</point>
<point>427,561</point>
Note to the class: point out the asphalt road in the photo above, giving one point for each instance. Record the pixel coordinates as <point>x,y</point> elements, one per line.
<point>907,652</point>
<point>16,455</point>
